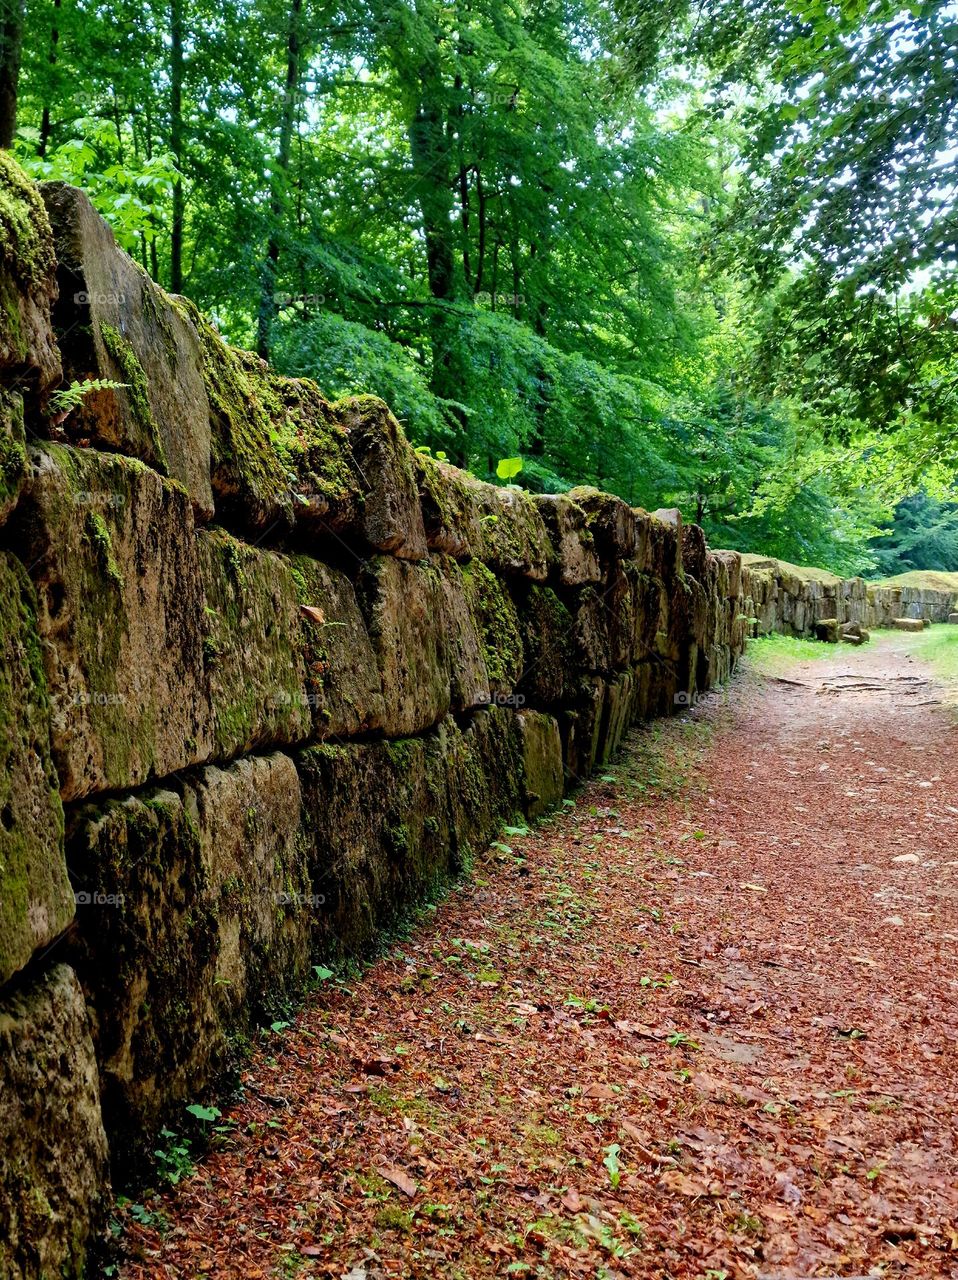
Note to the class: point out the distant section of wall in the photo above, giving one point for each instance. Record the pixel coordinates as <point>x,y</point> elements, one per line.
<point>270,676</point>
<point>785,598</point>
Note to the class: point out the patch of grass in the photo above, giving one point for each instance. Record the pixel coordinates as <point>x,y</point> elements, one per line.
<point>938,646</point>
<point>772,655</point>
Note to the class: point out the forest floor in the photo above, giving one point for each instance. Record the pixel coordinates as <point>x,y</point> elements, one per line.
<point>700,1023</point>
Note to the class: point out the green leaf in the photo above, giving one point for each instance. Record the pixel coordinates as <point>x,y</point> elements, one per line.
<point>508,467</point>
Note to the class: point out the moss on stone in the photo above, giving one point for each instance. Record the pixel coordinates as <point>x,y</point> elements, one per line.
<point>249,476</point>
<point>497,625</point>
<point>26,242</point>
<point>12,449</point>
<point>98,536</point>
<point>35,899</point>
<point>136,390</point>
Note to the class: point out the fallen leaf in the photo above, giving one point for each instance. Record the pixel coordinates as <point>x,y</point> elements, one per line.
<point>398,1178</point>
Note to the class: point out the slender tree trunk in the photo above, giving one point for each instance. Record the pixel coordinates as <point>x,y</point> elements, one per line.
<point>11,43</point>
<point>431,154</point>
<point>46,124</point>
<point>280,177</point>
<point>176,142</point>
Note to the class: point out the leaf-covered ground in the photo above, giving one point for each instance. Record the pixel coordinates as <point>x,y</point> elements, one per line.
<point>701,1023</point>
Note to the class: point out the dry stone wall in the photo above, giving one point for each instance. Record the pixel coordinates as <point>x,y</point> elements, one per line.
<point>782,598</point>
<point>269,678</point>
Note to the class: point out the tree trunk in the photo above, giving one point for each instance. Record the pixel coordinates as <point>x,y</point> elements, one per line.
<point>432,167</point>
<point>46,124</point>
<point>11,42</point>
<point>264,321</point>
<point>176,142</point>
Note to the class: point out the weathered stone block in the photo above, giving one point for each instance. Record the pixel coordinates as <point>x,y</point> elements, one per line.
<point>485,779</point>
<point>826,629</point>
<point>313,447</point>
<point>541,761</point>
<point>54,1177</point>
<point>188,902</point>
<point>451,508</point>
<point>253,647</point>
<point>580,729</point>
<point>694,552</point>
<point>663,550</point>
<point>111,549</point>
<point>497,626</point>
<point>611,521</point>
<point>255,855</point>
<point>465,517</point>
<point>344,688</point>
<point>113,322</point>
<point>27,280</point>
<point>546,627</point>
<point>616,715</point>
<point>13,455</point>
<point>385,461</point>
<point>379,826</point>
<point>252,481</point>
<point>514,539</point>
<point>36,901</point>
<point>593,621</point>
<point>577,561</point>
<point>424,639</point>
<point>464,649</point>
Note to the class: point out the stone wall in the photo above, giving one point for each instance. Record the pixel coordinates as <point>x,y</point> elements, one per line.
<point>270,678</point>
<point>783,598</point>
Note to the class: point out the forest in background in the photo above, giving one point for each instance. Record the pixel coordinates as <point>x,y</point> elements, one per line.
<point>700,254</point>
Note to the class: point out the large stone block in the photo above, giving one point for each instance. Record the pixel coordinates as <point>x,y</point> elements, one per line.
<point>27,281</point>
<point>515,540</point>
<point>548,645</point>
<point>251,480</point>
<point>592,644</point>
<point>612,522</point>
<point>465,516</point>
<point>497,626</point>
<point>249,819</point>
<point>663,549</point>
<point>580,728</point>
<point>451,507</point>
<point>253,647</point>
<point>54,1181</point>
<point>113,322</point>
<point>111,549</point>
<point>13,455</point>
<point>391,518</point>
<point>380,830</point>
<point>194,907</point>
<point>425,641</point>
<point>485,770</point>
<point>617,715</point>
<point>577,561</point>
<point>36,901</point>
<point>694,552</point>
<point>344,688</point>
<point>542,771</point>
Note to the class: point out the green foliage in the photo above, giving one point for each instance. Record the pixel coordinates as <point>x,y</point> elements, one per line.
<point>612,1164</point>
<point>698,259</point>
<point>69,398</point>
<point>922,535</point>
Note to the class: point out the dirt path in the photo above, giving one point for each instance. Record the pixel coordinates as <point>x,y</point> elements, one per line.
<point>698,1031</point>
